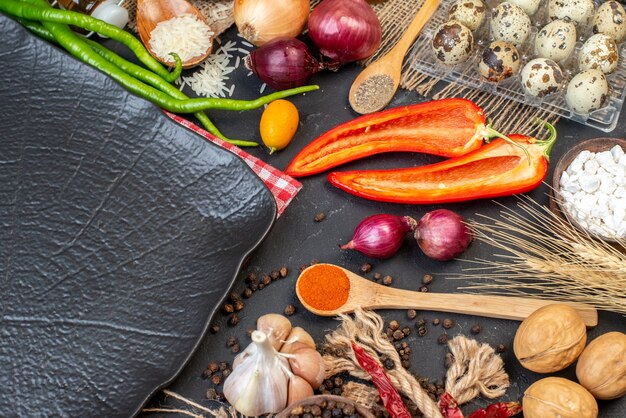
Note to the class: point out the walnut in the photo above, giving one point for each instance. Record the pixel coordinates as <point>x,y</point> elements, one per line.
<point>601,367</point>
<point>550,339</point>
<point>555,397</point>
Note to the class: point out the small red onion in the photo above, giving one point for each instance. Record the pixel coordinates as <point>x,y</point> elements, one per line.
<point>283,63</point>
<point>380,236</point>
<point>443,234</point>
<point>345,30</point>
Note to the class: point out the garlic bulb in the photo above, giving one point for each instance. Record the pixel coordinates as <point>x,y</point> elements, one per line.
<point>259,383</point>
<point>298,389</point>
<point>260,21</point>
<point>276,327</point>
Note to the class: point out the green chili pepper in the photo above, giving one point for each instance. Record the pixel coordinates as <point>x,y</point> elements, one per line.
<point>44,12</point>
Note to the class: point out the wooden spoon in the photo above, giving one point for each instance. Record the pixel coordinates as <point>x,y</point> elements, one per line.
<point>152,12</point>
<point>375,86</point>
<point>370,295</point>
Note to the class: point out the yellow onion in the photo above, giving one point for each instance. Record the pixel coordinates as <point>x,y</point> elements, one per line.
<point>260,21</point>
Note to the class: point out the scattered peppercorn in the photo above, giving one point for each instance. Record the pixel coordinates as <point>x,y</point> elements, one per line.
<point>233,320</point>
<point>436,321</point>
<point>424,289</point>
<point>289,310</point>
<point>235,349</point>
<point>228,308</point>
<point>405,364</point>
<point>233,297</point>
<point>448,323</point>
<point>274,274</point>
<point>328,384</point>
<point>377,276</point>
<point>247,293</point>
<point>394,325</point>
<point>216,379</point>
<point>254,287</point>
<point>261,286</point>
<point>442,339</point>
<point>476,329</point>
<point>320,217</point>
<point>411,313</point>
<point>421,331</point>
<point>389,364</point>
<point>406,331</point>
<point>266,280</point>
<point>224,365</point>
<point>420,323</point>
<point>398,335</point>
<point>214,329</point>
<point>231,340</point>
<point>225,373</point>
<point>251,277</point>
<point>366,268</point>
<point>211,394</point>
<point>387,280</point>
<point>283,271</point>
<point>501,348</point>
<point>238,305</point>
<point>427,279</point>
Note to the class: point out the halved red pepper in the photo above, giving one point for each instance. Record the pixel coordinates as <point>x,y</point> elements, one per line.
<point>499,168</point>
<point>447,127</point>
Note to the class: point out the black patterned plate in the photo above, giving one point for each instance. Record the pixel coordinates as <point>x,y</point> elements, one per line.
<point>120,233</point>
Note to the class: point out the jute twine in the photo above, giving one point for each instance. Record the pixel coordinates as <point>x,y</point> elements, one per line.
<point>476,369</point>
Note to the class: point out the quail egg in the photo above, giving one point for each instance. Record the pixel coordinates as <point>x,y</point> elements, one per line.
<point>528,6</point>
<point>509,23</point>
<point>452,43</point>
<point>587,91</point>
<point>541,77</point>
<point>610,19</point>
<point>599,52</point>
<point>470,13</point>
<point>578,11</point>
<point>500,60</point>
<point>556,40</point>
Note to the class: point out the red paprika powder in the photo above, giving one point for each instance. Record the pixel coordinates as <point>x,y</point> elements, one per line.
<point>324,287</point>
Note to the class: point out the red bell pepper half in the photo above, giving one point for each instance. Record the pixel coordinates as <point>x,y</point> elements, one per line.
<point>447,127</point>
<point>499,168</point>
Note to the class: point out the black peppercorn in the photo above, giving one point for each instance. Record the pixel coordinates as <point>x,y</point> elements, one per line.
<point>275,274</point>
<point>247,293</point>
<point>366,268</point>
<point>327,413</point>
<point>411,313</point>
<point>476,329</point>
<point>226,372</point>
<point>442,339</point>
<point>261,286</point>
<point>336,392</point>
<point>211,394</point>
<point>233,320</point>
<point>436,321</point>
<point>216,379</point>
<point>231,340</point>
<point>320,217</point>
<point>424,289</point>
<point>427,279</point>
<point>377,276</point>
<point>501,348</point>
<point>254,287</point>
<point>389,364</point>
<point>214,329</point>
<point>448,323</point>
<point>289,310</point>
<point>328,384</point>
<point>223,365</point>
<point>238,305</point>
<point>398,335</point>
<point>406,331</point>
<point>348,410</point>
<point>283,272</point>
<point>338,382</point>
<point>228,308</point>
<point>420,323</point>
<point>387,280</point>
<point>316,410</point>
<point>394,325</point>
<point>421,331</point>
<point>251,277</point>
<point>234,349</point>
<point>233,297</point>
<point>405,364</point>
<point>266,280</point>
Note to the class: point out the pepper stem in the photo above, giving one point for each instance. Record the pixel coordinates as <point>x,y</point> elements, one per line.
<point>492,133</point>
<point>548,143</point>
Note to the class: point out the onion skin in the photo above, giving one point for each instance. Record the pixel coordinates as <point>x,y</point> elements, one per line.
<point>443,235</point>
<point>283,63</point>
<point>380,236</point>
<point>345,30</point>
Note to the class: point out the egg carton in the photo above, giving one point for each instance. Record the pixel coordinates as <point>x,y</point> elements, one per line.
<point>467,74</point>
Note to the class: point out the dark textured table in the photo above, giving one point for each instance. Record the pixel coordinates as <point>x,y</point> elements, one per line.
<point>296,239</point>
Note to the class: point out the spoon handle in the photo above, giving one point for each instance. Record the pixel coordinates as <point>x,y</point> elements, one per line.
<point>426,11</point>
<point>505,307</point>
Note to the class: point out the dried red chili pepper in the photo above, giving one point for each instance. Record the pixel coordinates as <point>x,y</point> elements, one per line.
<point>447,127</point>
<point>388,393</point>
<point>496,169</point>
<point>450,409</point>
<point>498,410</point>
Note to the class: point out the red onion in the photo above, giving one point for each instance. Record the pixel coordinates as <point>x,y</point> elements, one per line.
<point>283,63</point>
<point>380,236</point>
<point>345,30</point>
<point>443,234</point>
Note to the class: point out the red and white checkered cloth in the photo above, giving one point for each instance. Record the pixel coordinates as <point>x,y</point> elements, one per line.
<point>283,187</point>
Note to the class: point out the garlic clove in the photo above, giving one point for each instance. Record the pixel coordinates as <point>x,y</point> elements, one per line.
<point>276,327</point>
<point>297,335</point>
<point>298,389</point>
<point>308,364</point>
<point>259,383</point>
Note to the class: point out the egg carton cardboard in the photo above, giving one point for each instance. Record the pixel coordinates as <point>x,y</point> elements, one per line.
<point>467,74</point>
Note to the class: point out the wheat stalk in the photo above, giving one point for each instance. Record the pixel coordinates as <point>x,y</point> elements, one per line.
<point>546,257</point>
